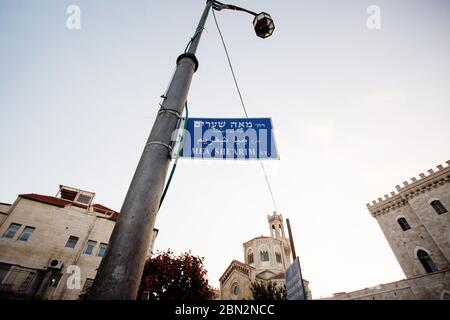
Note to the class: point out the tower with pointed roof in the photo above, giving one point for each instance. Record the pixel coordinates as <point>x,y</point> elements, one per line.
<point>266,258</point>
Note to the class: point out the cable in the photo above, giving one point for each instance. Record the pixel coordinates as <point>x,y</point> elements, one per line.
<point>174,166</point>
<point>177,156</point>
<point>192,39</point>
<point>231,66</point>
<point>243,105</point>
<point>268,185</point>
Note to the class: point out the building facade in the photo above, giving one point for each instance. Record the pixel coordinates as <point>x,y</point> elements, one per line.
<point>4,208</point>
<point>265,259</point>
<point>51,247</point>
<point>416,223</point>
<point>426,287</point>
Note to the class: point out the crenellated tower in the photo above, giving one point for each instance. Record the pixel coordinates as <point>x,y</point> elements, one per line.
<point>416,222</point>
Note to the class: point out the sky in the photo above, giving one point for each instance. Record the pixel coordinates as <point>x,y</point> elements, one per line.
<point>356,112</point>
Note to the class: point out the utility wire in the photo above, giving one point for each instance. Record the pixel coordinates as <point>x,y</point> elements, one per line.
<point>231,66</point>
<point>268,185</point>
<point>243,105</point>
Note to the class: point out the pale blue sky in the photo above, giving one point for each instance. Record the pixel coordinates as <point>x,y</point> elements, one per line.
<point>357,111</point>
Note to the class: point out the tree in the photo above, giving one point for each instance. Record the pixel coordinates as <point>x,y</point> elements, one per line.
<point>267,291</point>
<point>170,277</point>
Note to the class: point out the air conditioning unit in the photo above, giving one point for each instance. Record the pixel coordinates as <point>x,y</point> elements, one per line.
<point>55,264</point>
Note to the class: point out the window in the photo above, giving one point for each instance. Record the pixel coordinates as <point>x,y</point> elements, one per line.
<point>250,257</point>
<point>264,255</point>
<point>278,257</point>
<point>403,224</point>
<point>236,290</point>
<point>102,249</point>
<point>90,247</point>
<point>76,195</point>
<point>68,194</point>
<point>87,285</point>
<point>426,261</point>
<point>71,242</point>
<point>12,230</point>
<point>26,233</point>
<point>27,284</point>
<point>84,198</point>
<point>4,269</point>
<point>438,207</point>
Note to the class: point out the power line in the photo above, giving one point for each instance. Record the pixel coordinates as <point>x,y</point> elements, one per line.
<point>231,66</point>
<point>268,185</point>
<point>243,104</point>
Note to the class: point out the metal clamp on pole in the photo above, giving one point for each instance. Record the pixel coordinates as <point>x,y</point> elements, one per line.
<point>171,111</point>
<point>169,148</point>
<point>179,119</point>
<point>190,56</point>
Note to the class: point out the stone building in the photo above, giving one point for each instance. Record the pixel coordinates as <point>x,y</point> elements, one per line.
<point>416,223</point>
<point>4,208</point>
<point>265,259</point>
<point>46,242</point>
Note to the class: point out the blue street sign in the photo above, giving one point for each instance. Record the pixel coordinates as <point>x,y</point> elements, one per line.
<point>211,138</point>
<point>294,282</point>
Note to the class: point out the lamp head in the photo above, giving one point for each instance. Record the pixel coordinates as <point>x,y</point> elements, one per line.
<point>264,25</point>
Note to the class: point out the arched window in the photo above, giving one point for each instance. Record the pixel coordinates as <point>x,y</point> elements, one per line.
<point>250,257</point>
<point>403,224</point>
<point>273,227</point>
<point>278,257</point>
<point>426,261</point>
<point>438,207</point>
<point>264,253</point>
<point>235,289</point>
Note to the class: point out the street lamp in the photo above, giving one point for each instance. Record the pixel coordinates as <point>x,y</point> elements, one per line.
<point>262,23</point>
<point>120,271</point>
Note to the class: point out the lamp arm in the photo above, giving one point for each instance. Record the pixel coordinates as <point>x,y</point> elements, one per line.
<point>220,6</point>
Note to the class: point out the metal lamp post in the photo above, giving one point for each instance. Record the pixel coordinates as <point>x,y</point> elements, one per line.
<point>119,274</point>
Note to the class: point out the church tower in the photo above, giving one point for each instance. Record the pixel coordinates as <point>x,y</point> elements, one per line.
<point>265,259</point>
<point>276,226</point>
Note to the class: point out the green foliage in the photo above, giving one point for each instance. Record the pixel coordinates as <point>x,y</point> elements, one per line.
<point>170,277</point>
<point>267,291</point>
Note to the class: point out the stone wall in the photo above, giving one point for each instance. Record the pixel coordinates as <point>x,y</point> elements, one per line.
<point>433,286</point>
<point>429,231</point>
<point>273,246</point>
<point>238,275</point>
